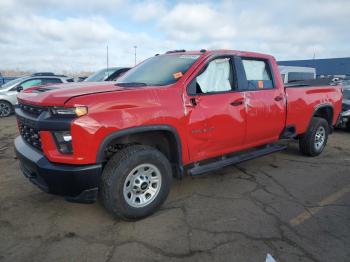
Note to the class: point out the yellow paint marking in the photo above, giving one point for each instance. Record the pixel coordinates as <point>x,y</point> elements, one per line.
<point>313,210</point>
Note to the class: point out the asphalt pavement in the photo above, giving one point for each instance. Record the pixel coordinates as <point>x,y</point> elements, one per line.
<point>293,207</point>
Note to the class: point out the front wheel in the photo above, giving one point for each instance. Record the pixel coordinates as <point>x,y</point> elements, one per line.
<point>135,182</point>
<point>5,109</point>
<point>315,139</point>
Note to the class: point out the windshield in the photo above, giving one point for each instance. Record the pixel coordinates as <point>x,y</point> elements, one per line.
<point>12,83</point>
<point>159,70</point>
<point>100,75</point>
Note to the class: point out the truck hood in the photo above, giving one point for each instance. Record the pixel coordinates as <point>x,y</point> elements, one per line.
<point>58,95</point>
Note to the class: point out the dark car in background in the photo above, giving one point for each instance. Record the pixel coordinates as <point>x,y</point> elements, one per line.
<point>107,74</point>
<point>344,120</point>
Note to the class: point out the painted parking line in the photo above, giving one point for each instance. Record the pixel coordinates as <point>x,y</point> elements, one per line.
<point>313,210</point>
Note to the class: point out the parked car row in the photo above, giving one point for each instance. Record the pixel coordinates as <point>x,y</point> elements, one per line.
<point>344,119</point>
<point>107,74</point>
<point>9,90</point>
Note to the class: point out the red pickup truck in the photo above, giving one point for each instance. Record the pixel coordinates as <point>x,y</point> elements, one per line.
<point>174,114</point>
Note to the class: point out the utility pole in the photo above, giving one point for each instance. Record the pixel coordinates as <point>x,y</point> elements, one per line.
<point>107,63</point>
<point>135,47</point>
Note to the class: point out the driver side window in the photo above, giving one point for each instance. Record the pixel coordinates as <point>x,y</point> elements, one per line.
<point>216,78</point>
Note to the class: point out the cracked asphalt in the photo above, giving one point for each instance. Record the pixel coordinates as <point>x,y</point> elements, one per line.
<point>290,206</point>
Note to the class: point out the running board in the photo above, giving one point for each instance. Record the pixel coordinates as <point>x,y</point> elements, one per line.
<point>205,168</point>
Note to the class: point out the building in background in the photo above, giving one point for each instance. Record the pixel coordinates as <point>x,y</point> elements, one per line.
<point>339,67</point>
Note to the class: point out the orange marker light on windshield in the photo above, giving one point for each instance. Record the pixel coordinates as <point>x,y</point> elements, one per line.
<point>177,75</point>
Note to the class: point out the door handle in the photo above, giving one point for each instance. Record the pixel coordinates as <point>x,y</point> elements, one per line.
<point>278,98</point>
<point>192,102</point>
<point>237,102</point>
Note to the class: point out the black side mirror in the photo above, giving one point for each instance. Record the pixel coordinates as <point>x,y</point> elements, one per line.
<point>19,88</point>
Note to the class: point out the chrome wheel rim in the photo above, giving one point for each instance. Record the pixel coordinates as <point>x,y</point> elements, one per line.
<point>320,137</point>
<point>142,185</point>
<point>5,109</point>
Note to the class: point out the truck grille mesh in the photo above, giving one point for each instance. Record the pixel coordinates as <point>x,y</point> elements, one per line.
<point>33,110</point>
<point>28,131</point>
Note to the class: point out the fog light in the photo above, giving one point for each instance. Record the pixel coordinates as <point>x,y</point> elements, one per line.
<point>64,141</point>
<point>67,138</point>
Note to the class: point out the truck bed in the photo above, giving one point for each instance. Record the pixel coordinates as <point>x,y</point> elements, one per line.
<point>305,97</point>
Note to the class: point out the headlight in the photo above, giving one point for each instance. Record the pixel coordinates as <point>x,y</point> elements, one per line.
<point>346,113</point>
<point>64,141</point>
<point>70,112</point>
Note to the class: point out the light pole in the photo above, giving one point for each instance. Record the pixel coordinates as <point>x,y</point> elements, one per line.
<point>107,62</point>
<point>135,47</point>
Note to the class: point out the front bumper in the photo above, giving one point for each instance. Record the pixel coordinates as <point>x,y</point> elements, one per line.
<point>77,183</point>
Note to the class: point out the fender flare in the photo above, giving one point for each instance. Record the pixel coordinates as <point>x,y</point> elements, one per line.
<point>320,106</point>
<point>324,105</point>
<point>137,130</point>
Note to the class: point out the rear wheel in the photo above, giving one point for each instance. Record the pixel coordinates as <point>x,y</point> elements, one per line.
<point>315,139</point>
<point>135,182</point>
<point>5,109</point>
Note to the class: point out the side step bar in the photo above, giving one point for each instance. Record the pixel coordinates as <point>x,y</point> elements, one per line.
<point>205,168</point>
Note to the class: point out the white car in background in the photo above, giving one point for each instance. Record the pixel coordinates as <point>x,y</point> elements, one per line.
<point>8,91</point>
<point>291,74</point>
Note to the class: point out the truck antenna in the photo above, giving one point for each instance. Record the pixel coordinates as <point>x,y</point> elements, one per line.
<point>107,63</point>
<point>135,47</point>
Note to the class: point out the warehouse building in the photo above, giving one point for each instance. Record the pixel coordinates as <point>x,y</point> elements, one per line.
<point>324,67</point>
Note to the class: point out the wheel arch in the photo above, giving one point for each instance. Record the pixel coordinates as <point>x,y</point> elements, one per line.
<point>5,100</point>
<point>8,102</point>
<point>325,111</point>
<point>163,137</point>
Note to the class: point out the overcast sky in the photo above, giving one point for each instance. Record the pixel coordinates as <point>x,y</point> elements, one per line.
<point>71,35</point>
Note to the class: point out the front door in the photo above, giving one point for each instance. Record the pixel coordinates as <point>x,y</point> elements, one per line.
<point>215,112</point>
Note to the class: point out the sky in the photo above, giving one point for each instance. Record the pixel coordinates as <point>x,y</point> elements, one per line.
<point>72,35</point>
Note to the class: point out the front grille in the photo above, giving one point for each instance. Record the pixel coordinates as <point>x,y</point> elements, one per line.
<point>28,131</point>
<point>33,110</point>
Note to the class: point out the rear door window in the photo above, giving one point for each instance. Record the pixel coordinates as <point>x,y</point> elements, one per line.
<point>51,81</point>
<point>258,74</point>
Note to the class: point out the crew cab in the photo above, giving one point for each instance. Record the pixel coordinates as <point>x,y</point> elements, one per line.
<point>173,114</point>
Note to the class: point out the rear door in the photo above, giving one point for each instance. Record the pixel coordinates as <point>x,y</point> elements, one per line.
<point>264,102</point>
<point>215,111</point>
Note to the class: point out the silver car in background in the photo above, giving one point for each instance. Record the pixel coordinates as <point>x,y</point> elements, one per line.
<point>8,91</point>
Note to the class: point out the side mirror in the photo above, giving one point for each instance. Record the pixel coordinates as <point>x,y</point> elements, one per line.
<point>19,88</point>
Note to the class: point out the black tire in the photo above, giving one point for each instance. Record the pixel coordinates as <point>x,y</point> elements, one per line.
<point>116,172</point>
<point>6,108</point>
<point>308,141</point>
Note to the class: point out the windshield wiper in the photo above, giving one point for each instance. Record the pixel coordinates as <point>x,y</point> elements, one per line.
<point>132,84</point>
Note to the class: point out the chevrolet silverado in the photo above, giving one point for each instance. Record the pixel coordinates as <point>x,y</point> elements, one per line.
<point>173,114</point>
